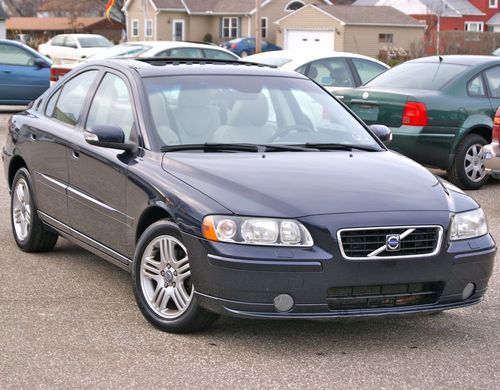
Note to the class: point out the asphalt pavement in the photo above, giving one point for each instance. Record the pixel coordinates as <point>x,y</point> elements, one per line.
<point>69,320</point>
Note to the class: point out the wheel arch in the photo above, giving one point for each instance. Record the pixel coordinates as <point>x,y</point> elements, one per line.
<point>16,163</point>
<point>483,131</point>
<point>148,217</point>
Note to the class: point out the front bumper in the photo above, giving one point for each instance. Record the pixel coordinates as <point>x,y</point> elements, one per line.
<point>492,164</point>
<point>241,280</point>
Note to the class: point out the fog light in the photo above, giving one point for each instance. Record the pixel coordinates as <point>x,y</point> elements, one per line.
<point>468,291</point>
<point>283,302</point>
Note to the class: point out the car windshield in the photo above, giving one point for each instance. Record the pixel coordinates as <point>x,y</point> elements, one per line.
<point>226,109</point>
<point>121,51</point>
<point>431,75</point>
<point>94,42</point>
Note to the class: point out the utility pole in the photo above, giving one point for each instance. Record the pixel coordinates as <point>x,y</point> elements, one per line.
<point>258,33</point>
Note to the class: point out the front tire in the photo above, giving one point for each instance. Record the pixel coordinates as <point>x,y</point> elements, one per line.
<point>244,53</point>
<point>468,171</point>
<point>163,286</point>
<point>29,232</point>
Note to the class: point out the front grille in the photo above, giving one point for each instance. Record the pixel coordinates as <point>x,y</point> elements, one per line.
<point>380,296</point>
<point>370,243</point>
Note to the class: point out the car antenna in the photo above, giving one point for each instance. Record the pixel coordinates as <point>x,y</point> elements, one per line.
<point>437,70</point>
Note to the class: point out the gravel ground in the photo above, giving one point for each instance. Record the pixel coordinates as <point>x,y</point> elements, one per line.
<point>68,320</point>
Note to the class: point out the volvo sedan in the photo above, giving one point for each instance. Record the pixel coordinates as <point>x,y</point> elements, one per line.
<point>236,189</point>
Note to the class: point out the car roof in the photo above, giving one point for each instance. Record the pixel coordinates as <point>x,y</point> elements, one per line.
<point>168,44</point>
<point>79,35</point>
<point>300,57</point>
<point>470,60</point>
<point>154,67</point>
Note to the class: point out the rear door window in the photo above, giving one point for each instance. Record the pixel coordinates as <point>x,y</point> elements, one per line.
<point>218,54</point>
<point>367,70</point>
<point>493,80</point>
<point>69,105</point>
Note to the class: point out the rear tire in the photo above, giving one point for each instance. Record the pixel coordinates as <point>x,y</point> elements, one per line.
<point>29,232</point>
<point>163,289</point>
<point>468,171</point>
<point>244,53</point>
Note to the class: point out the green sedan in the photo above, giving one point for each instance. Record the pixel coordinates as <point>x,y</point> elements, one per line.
<point>440,110</point>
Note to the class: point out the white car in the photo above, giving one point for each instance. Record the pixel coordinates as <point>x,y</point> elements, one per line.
<point>333,70</point>
<point>70,48</point>
<point>177,49</point>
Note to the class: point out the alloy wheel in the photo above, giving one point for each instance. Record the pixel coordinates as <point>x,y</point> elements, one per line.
<point>165,277</point>
<point>474,163</point>
<point>21,209</point>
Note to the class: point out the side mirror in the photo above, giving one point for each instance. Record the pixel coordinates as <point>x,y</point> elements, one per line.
<point>40,63</point>
<point>383,133</point>
<point>109,137</point>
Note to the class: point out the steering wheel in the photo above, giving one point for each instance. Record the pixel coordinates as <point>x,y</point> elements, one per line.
<point>290,129</point>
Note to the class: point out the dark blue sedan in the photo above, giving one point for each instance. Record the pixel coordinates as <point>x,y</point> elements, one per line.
<point>231,188</point>
<point>24,73</point>
<point>246,46</point>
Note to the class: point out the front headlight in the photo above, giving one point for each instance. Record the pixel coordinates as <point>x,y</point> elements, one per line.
<point>468,225</point>
<point>256,231</point>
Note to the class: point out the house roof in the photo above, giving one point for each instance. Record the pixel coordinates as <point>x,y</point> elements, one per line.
<point>221,7</point>
<point>380,15</point>
<point>9,8</point>
<point>494,20</point>
<point>444,8</point>
<point>51,24</point>
<point>62,5</point>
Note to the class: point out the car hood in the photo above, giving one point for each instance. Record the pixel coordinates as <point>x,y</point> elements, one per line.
<point>295,184</point>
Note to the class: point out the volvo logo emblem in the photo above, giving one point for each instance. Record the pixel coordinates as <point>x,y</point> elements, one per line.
<point>393,242</point>
<point>365,95</point>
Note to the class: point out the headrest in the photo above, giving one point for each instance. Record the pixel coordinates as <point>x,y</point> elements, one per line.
<point>250,112</point>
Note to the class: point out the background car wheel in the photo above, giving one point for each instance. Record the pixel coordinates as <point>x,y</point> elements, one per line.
<point>468,171</point>
<point>29,232</point>
<point>163,286</point>
<point>244,53</point>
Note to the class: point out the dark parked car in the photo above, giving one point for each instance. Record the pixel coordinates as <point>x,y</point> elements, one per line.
<point>211,184</point>
<point>440,110</point>
<point>24,73</point>
<point>246,46</point>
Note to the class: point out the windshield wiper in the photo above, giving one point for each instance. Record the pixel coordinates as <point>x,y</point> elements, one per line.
<point>333,146</point>
<point>235,147</point>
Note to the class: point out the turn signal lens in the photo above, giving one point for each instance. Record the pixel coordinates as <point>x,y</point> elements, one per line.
<point>415,114</point>
<point>256,231</point>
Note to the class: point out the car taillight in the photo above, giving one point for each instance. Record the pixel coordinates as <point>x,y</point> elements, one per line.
<point>57,73</point>
<point>234,46</point>
<point>415,114</point>
<point>496,127</point>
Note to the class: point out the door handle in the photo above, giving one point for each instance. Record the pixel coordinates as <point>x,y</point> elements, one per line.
<point>75,154</point>
<point>6,71</point>
<point>32,137</point>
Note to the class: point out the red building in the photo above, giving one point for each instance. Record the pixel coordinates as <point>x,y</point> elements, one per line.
<point>447,15</point>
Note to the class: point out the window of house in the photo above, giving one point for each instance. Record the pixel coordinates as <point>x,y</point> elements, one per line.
<point>474,26</point>
<point>178,30</point>
<point>263,27</point>
<point>135,27</point>
<point>493,3</point>
<point>385,38</point>
<point>148,28</point>
<point>230,27</point>
<point>294,6</point>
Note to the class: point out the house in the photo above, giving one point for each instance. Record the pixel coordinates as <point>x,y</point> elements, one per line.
<point>43,28</point>
<point>446,15</point>
<point>363,30</point>
<point>3,18</point>
<point>198,20</point>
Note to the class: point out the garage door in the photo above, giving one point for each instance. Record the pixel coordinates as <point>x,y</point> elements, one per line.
<point>310,39</point>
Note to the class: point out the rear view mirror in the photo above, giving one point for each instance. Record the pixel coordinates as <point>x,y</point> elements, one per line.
<point>40,63</point>
<point>109,137</point>
<point>383,133</point>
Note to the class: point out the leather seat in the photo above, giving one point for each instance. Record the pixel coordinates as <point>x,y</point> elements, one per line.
<point>247,122</point>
